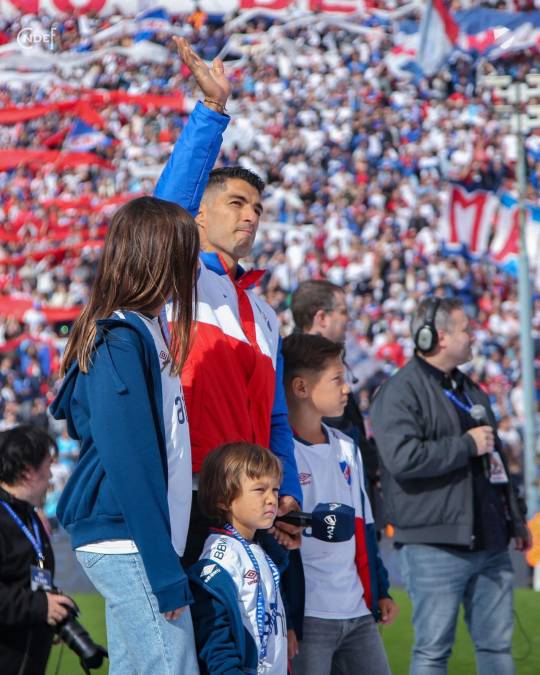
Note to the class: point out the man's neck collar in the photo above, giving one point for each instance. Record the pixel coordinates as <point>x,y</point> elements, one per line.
<point>435,364</point>
<point>215,262</point>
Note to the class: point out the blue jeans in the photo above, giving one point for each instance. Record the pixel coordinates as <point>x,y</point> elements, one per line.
<point>438,580</point>
<point>140,640</point>
<point>340,647</point>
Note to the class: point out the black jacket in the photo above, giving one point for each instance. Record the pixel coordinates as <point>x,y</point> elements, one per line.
<point>25,636</point>
<point>426,460</point>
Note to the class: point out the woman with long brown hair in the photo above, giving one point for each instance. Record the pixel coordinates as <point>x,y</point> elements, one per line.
<point>127,503</point>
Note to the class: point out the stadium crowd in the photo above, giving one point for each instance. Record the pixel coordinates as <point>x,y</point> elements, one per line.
<point>356,162</point>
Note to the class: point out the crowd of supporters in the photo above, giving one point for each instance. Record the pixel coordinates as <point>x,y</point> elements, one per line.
<point>356,162</point>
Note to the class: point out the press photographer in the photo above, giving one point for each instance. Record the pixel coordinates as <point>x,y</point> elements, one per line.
<point>30,611</point>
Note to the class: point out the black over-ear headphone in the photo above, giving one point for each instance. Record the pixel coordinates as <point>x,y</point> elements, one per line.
<point>426,337</point>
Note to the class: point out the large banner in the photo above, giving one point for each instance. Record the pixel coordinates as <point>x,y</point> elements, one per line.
<point>506,242</point>
<point>10,8</point>
<point>468,219</point>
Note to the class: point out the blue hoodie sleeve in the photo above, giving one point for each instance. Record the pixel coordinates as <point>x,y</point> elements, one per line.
<point>122,424</point>
<point>184,178</point>
<point>224,646</point>
<point>281,438</point>
<point>216,647</point>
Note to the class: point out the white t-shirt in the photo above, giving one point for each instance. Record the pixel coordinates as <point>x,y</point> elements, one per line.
<point>178,452</point>
<point>230,554</point>
<point>331,472</point>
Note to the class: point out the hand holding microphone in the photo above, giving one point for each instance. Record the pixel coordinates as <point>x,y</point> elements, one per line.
<point>483,436</point>
<point>329,522</point>
<point>484,439</point>
<point>287,535</point>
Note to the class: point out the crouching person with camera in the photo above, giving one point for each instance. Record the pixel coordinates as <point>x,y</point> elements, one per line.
<point>29,608</point>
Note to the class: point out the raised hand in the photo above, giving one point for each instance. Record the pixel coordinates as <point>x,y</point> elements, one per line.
<point>213,82</point>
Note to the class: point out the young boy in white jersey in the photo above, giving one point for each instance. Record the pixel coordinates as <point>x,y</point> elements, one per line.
<point>346,584</point>
<point>238,615</point>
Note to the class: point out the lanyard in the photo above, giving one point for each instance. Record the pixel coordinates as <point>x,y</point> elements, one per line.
<point>263,636</point>
<point>34,540</point>
<point>460,404</point>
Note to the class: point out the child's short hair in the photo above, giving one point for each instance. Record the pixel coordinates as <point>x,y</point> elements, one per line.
<point>222,471</point>
<point>302,351</point>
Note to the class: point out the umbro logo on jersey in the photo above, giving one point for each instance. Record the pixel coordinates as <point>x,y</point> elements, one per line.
<point>251,577</point>
<point>304,478</point>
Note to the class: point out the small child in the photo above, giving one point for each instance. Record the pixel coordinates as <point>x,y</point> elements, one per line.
<point>238,615</point>
<point>346,584</point>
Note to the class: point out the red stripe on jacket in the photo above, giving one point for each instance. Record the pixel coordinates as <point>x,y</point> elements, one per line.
<point>229,391</point>
<point>362,559</point>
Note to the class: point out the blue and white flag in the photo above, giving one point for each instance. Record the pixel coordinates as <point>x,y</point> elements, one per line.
<point>505,246</point>
<point>83,137</point>
<point>150,22</point>
<point>401,58</point>
<point>438,35</point>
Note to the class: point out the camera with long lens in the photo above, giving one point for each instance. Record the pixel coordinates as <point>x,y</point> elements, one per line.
<point>77,638</point>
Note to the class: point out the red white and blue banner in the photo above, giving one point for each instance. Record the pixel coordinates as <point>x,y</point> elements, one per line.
<point>82,137</point>
<point>131,7</point>
<point>505,246</point>
<point>483,223</point>
<point>467,223</point>
<point>418,47</point>
<point>476,33</point>
<point>439,34</point>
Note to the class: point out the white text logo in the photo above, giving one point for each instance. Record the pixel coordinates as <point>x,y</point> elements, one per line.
<point>32,37</point>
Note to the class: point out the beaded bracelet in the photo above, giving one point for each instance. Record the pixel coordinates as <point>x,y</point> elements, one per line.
<point>220,105</point>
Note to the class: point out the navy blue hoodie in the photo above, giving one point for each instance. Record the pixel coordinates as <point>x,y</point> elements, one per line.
<point>118,489</point>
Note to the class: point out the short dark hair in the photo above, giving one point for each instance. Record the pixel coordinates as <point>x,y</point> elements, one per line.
<point>21,448</point>
<point>222,471</point>
<point>219,177</point>
<point>302,352</point>
<point>310,297</point>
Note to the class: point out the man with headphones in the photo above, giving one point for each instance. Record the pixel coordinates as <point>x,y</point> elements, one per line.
<point>447,492</point>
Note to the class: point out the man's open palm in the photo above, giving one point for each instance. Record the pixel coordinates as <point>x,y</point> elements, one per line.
<point>212,81</point>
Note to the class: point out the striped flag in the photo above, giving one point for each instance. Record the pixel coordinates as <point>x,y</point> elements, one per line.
<point>467,221</point>
<point>504,249</point>
<point>83,137</point>
<point>438,35</point>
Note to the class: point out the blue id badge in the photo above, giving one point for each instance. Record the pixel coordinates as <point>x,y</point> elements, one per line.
<point>40,579</point>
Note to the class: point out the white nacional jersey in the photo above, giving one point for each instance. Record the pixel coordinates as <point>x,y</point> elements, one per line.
<point>332,472</point>
<point>178,452</point>
<point>230,554</point>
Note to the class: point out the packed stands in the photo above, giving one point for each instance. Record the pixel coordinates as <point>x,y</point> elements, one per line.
<point>358,155</point>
